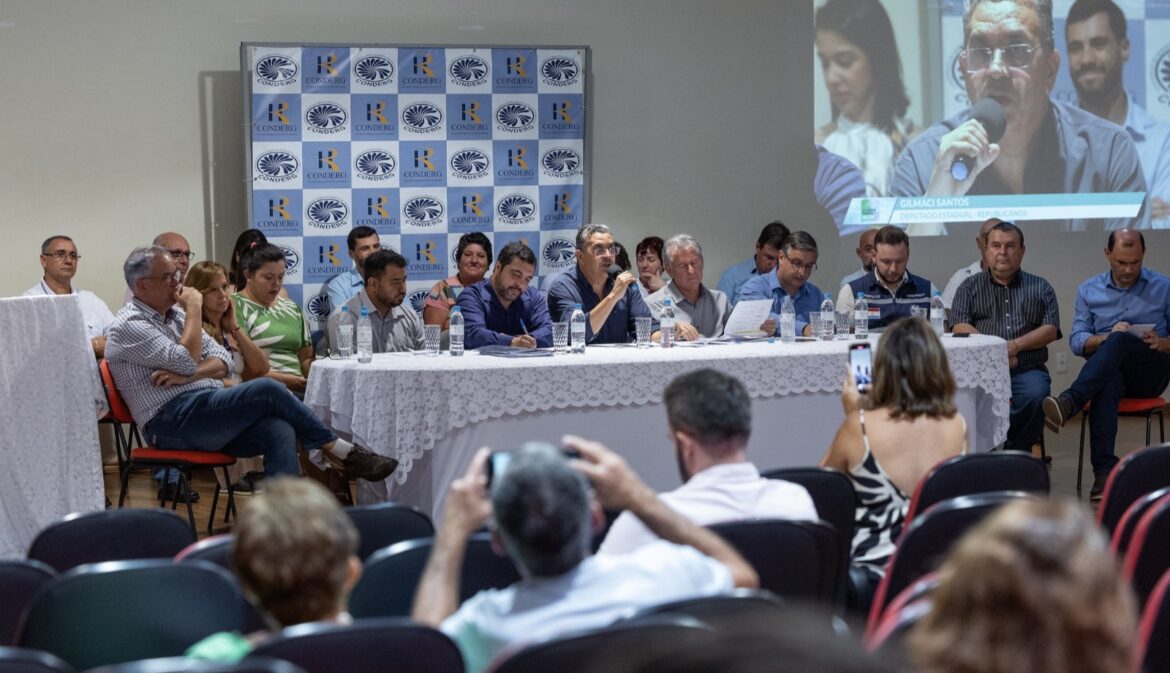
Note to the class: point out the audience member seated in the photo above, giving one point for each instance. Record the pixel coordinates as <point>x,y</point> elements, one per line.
<point>542,512</point>
<point>710,419</point>
<point>503,310</point>
<point>798,261</point>
<point>1032,588</point>
<point>650,265</point>
<point>473,254</point>
<point>890,291</point>
<point>362,242</point>
<point>180,251</point>
<point>170,372</point>
<point>273,321</point>
<point>610,301</point>
<point>764,260</point>
<point>698,310</point>
<point>865,252</point>
<point>887,445</point>
<point>295,553</point>
<point>396,326</point>
<point>59,259</point>
<point>248,239</point>
<point>1021,308</point>
<point>1121,361</point>
<point>948,293</point>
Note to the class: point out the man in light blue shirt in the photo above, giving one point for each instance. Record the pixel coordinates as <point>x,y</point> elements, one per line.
<point>1098,47</point>
<point>362,242</point>
<point>1124,359</point>
<point>798,260</point>
<point>761,263</point>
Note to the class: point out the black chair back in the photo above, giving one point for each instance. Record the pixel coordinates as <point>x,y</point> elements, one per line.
<point>385,523</point>
<point>1154,631</point>
<point>1123,532</point>
<point>110,535</point>
<point>743,610</point>
<point>794,559</point>
<point>366,646</point>
<point>581,653</point>
<point>216,549</point>
<point>1137,474</point>
<point>979,473</point>
<point>925,542</point>
<point>1148,556</point>
<point>187,665</point>
<point>391,575</point>
<point>21,660</point>
<point>110,613</point>
<point>19,582</point>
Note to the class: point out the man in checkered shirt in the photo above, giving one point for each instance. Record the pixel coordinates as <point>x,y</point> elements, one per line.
<point>170,372</point>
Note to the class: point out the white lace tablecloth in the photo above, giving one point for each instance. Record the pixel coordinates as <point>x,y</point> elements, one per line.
<point>405,405</point>
<point>52,461</point>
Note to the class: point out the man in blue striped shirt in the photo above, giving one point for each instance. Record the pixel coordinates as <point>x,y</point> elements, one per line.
<point>1010,303</point>
<point>1121,327</point>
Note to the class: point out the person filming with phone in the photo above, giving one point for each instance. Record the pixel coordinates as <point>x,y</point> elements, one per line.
<point>886,444</point>
<point>543,510</point>
<point>1005,301</point>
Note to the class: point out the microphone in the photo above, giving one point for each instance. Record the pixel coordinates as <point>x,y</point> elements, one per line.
<point>989,113</point>
<point>614,270</point>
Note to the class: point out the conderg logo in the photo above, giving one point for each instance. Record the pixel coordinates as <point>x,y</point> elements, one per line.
<point>276,212</point>
<point>377,209</point>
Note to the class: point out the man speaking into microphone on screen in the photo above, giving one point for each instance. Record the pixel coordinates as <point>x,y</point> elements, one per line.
<point>1009,64</point>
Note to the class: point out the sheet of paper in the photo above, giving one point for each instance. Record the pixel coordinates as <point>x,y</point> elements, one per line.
<point>1139,331</point>
<point>747,317</point>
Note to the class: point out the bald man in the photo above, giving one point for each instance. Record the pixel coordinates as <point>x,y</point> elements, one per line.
<point>865,253</point>
<point>1120,325</point>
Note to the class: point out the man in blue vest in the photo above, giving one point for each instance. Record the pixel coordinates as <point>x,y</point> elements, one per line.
<point>890,290</point>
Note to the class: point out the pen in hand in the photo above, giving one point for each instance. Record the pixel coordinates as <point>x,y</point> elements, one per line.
<point>524,327</point>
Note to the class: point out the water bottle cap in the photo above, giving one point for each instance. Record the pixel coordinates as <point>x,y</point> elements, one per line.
<point>365,312</point>
<point>576,306</point>
<point>937,293</point>
<point>345,308</point>
<point>455,309</point>
<point>828,296</point>
<point>666,302</point>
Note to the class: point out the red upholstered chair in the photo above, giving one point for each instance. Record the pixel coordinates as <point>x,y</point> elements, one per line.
<point>1138,473</point>
<point>1123,533</point>
<point>182,461</point>
<point>978,473</point>
<point>1148,555</point>
<point>1153,642</point>
<point>1139,407</point>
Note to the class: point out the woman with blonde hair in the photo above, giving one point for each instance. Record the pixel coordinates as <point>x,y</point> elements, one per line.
<point>887,445</point>
<point>1033,588</point>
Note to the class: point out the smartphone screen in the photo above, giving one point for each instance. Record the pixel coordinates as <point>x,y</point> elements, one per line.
<point>497,465</point>
<point>861,363</point>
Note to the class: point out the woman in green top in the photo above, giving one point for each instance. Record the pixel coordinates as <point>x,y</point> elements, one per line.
<point>274,323</point>
<point>296,555</point>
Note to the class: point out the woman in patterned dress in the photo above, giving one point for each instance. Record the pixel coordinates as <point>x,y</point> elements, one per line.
<point>473,255</point>
<point>275,323</point>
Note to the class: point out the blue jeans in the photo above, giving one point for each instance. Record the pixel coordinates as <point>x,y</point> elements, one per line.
<point>255,418</point>
<point>1123,366</point>
<point>1030,385</point>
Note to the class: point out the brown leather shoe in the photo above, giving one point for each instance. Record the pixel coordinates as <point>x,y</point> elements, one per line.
<point>361,463</point>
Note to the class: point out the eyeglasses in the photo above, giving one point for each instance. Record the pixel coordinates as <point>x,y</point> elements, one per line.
<point>599,250</point>
<point>172,278</point>
<point>180,254</point>
<point>1015,56</point>
<point>61,255</point>
<point>801,267</point>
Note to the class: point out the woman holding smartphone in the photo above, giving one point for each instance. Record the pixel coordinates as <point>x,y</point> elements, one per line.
<point>909,425</point>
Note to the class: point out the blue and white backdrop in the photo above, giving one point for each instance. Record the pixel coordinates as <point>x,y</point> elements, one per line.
<point>422,143</point>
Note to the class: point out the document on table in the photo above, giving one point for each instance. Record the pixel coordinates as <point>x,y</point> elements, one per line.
<point>747,317</point>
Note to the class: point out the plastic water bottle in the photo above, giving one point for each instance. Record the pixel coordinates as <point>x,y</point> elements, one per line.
<point>828,318</point>
<point>787,320</point>
<point>577,330</point>
<point>345,333</point>
<point>861,317</point>
<point>365,337</point>
<point>938,314</point>
<point>666,323</point>
<point>456,331</point>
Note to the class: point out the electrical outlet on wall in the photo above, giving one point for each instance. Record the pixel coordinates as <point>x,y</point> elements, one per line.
<point>1061,362</point>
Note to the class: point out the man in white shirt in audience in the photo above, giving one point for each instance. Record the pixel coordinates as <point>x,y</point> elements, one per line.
<point>948,293</point>
<point>544,517</point>
<point>710,418</point>
<point>59,259</point>
<point>865,252</point>
<point>699,312</point>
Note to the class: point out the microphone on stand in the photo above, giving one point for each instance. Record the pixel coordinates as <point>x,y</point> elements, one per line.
<point>989,113</point>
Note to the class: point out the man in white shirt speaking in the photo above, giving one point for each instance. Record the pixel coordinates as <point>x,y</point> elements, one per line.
<point>710,417</point>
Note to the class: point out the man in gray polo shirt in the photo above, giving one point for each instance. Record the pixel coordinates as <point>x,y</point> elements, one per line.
<point>1048,147</point>
<point>396,327</point>
<point>698,310</point>
<point>1012,304</point>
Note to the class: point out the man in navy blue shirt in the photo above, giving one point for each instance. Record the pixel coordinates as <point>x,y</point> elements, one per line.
<point>610,302</point>
<point>890,290</point>
<point>503,310</point>
<point>1124,358</point>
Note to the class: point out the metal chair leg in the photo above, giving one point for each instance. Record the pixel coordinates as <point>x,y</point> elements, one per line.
<point>185,492</point>
<point>1081,454</point>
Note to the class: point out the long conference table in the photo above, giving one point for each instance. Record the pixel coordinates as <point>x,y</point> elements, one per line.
<point>433,412</point>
